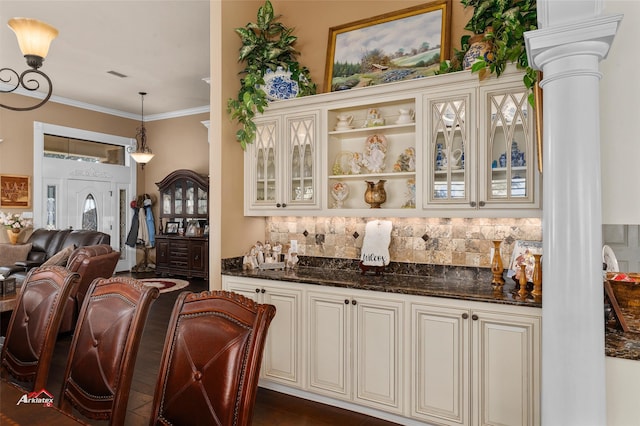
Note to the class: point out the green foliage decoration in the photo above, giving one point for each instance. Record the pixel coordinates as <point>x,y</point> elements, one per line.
<point>508,20</point>
<point>266,44</point>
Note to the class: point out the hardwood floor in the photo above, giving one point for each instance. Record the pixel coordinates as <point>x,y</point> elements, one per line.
<point>272,408</point>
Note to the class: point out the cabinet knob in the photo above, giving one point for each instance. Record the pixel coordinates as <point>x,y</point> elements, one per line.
<point>474,317</point>
<point>278,205</point>
<point>465,315</point>
<point>472,203</point>
<point>353,302</point>
<point>257,290</point>
<point>346,301</point>
<point>263,291</point>
<point>481,203</point>
<point>284,205</point>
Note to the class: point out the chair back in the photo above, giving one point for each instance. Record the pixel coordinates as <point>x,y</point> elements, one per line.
<point>33,327</point>
<point>211,360</point>
<point>104,347</point>
<point>90,262</point>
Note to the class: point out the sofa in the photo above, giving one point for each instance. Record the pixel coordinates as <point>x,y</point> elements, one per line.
<point>43,245</point>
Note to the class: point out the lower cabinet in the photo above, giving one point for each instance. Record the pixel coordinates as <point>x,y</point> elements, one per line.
<point>475,366</point>
<point>420,359</point>
<point>281,360</point>
<point>186,256</point>
<point>355,347</point>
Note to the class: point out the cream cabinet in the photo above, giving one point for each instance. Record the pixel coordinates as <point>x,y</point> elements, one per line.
<point>481,149</point>
<point>473,366</point>
<point>440,364</point>
<point>447,145</point>
<point>505,368</point>
<point>282,164</point>
<point>417,359</point>
<point>282,357</point>
<point>355,347</point>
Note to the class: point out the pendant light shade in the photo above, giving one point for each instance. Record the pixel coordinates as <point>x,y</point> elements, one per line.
<point>34,38</point>
<point>143,153</point>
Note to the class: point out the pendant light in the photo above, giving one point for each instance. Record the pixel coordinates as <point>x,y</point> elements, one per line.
<point>143,153</point>
<point>34,38</point>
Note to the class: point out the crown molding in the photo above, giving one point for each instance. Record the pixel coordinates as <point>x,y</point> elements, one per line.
<point>110,111</point>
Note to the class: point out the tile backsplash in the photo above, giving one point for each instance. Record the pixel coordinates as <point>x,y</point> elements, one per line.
<point>440,241</point>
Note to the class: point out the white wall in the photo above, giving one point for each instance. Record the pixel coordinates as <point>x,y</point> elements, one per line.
<point>623,390</point>
<point>620,145</point>
<point>620,119</point>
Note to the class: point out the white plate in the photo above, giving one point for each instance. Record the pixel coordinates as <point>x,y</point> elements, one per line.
<point>609,258</point>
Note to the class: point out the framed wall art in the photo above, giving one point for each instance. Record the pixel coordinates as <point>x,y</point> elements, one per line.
<point>402,45</point>
<point>15,191</point>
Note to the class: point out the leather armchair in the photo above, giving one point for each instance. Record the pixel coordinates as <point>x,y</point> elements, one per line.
<point>90,262</point>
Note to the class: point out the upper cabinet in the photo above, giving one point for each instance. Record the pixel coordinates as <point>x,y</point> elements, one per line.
<point>281,165</point>
<point>184,196</point>
<point>447,145</point>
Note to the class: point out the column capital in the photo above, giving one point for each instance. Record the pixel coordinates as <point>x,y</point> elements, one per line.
<point>592,36</point>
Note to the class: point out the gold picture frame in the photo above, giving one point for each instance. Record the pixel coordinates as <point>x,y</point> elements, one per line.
<point>396,46</point>
<point>537,96</point>
<point>15,191</point>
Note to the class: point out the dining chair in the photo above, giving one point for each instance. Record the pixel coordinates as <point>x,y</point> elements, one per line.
<point>34,324</point>
<point>104,347</point>
<point>211,360</point>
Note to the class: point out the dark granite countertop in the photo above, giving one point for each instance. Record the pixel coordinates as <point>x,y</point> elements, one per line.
<point>621,344</point>
<point>451,282</point>
<point>422,280</point>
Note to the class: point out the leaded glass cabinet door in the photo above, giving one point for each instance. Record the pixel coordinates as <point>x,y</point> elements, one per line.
<point>450,157</point>
<point>261,160</point>
<point>509,160</point>
<point>301,166</point>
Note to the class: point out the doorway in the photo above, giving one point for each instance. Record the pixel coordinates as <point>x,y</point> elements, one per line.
<point>80,193</point>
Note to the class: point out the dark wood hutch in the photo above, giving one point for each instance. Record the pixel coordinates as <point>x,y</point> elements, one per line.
<point>182,243</point>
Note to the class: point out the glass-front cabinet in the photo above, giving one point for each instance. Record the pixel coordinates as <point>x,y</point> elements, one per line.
<point>281,165</point>
<point>184,196</point>
<point>182,241</point>
<point>450,159</point>
<point>448,145</point>
<point>509,151</point>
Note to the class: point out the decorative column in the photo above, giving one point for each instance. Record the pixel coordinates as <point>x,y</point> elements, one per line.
<point>573,360</point>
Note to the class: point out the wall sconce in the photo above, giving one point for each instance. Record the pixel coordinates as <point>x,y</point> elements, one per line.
<point>34,38</point>
<point>143,153</point>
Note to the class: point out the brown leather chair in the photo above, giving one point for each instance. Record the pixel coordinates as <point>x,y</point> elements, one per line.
<point>211,360</point>
<point>33,328</point>
<point>103,352</point>
<point>90,262</point>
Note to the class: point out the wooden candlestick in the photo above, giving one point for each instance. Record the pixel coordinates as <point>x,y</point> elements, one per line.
<point>537,276</point>
<point>523,280</point>
<point>496,264</point>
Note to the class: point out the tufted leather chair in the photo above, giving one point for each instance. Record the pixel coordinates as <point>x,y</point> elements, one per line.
<point>103,351</point>
<point>211,360</point>
<point>90,262</point>
<point>33,328</point>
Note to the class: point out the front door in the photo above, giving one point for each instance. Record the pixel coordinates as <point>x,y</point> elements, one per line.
<point>90,206</point>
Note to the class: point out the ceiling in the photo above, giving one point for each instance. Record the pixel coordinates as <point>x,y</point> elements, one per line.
<point>162,46</point>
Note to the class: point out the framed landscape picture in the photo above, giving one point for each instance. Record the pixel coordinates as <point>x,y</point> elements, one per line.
<point>397,46</point>
<point>15,191</point>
